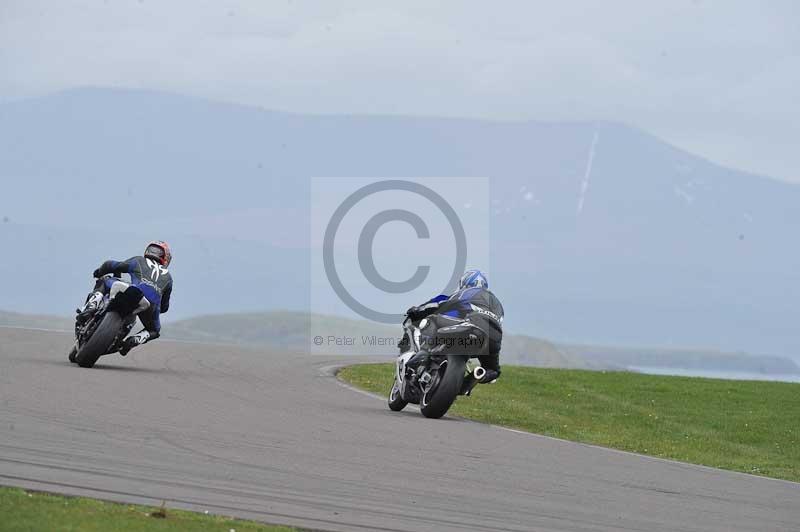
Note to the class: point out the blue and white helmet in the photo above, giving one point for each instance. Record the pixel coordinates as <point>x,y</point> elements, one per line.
<point>473,279</point>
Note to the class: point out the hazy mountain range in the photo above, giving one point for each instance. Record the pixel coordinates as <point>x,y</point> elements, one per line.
<point>296,332</point>
<point>600,233</point>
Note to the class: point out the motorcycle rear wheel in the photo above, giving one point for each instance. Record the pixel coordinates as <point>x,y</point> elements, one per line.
<point>440,395</point>
<point>100,342</point>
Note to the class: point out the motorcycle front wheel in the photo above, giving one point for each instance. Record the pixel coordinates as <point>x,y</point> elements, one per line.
<point>73,353</point>
<point>396,402</point>
<point>101,340</point>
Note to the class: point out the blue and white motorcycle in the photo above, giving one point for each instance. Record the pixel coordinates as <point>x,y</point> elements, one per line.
<point>437,364</point>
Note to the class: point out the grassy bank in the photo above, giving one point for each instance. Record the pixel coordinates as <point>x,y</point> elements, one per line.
<point>746,426</point>
<point>24,511</point>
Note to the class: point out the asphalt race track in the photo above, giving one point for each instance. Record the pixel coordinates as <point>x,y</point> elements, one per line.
<point>275,437</point>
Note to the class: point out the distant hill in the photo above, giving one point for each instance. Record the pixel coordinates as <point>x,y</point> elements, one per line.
<point>684,359</point>
<point>292,331</point>
<point>295,332</point>
<point>13,319</point>
<point>530,351</point>
<point>647,245</point>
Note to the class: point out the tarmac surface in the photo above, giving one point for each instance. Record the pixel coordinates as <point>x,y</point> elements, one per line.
<point>277,438</point>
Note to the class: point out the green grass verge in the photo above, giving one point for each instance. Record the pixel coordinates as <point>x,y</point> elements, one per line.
<point>33,511</point>
<point>748,426</point>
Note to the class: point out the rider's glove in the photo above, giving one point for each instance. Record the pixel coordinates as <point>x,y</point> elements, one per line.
<point>413,313</point>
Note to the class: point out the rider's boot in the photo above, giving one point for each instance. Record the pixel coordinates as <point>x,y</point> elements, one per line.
<point>142,337</point>
<point>133,341</point>
<point>490,376</point>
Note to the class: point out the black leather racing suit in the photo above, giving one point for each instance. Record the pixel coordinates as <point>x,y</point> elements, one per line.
<point>477,305</point>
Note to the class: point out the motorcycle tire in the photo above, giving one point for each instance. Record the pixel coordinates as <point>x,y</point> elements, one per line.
<point>396,402</point>
<point>438,398</point>
<point>100,342</point>
<point>72,353</point>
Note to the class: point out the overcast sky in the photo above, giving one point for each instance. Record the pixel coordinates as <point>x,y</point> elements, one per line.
<point>719,78</point>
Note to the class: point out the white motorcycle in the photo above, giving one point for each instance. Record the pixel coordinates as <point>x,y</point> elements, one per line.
<point>439,364</point>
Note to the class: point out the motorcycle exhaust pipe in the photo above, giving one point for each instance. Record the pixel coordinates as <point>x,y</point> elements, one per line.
<point>479,373</point>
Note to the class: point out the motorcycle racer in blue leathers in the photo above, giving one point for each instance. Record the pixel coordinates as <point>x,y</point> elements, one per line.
<point>474,302</point>
<point>149,273</point>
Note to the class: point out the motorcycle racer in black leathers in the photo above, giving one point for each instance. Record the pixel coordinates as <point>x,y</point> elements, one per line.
<point>149,274</point>
<point>472,302</point>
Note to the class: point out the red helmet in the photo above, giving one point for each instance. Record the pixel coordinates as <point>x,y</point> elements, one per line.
<point>158,251</point>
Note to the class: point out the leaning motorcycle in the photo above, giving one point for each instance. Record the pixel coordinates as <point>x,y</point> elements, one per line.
<point>105,330</point>
<point>431,372</point>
